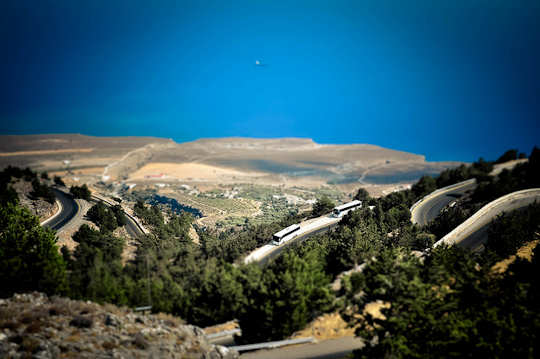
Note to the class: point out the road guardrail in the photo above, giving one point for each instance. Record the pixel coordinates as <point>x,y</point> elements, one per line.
<point>56,214</point>
<point>224,333</point>
<point>272,345</point>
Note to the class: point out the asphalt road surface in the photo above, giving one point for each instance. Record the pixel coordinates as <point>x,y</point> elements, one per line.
<point>275,253</point>
<point>132,228</point>
<point>430,209</point>
<point>473,233</point>
<point>70,207</point>
<point>69,210</point>
<point>475,241</point>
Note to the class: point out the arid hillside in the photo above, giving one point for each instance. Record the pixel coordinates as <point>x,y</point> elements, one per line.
<point>70,152</point>
<point>271,161</point>
<point>34,325</point>
<point>226,180</point>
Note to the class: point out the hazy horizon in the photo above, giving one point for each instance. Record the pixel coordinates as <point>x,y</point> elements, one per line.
<point>452,81</point>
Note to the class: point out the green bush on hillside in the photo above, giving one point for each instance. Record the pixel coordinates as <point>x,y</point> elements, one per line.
<point>81,192</point>
<point>323,206</point>
<point>29,258</point>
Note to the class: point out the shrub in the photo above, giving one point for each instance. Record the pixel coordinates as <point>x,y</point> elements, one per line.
<point>322,206</point>
<point>58,181</point>
<point>103,217</point>
<point>29,258</point>
<point>509,155</point>
<point>40,190</point>
<point>81,322</point>
<point>81,192</point>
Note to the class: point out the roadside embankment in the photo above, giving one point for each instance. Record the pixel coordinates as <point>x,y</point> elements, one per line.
<point>489,212</point>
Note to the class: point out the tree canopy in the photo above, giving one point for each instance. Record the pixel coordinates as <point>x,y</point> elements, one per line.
<point>323,205</point>
<point>29,258</point>
<point>81,192</point>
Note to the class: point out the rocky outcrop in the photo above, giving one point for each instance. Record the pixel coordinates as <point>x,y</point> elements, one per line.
<point>38,206</point>
<point>34,325</point>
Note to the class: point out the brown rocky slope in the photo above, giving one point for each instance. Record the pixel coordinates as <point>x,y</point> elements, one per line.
<point>37,326</point>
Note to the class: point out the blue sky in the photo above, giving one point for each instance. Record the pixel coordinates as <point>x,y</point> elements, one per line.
<point>454,80</point>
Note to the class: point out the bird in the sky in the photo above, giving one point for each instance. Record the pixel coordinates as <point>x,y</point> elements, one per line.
<point>259,63</point>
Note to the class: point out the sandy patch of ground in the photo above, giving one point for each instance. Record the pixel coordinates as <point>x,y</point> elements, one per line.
<point>187,171</point>
<point>89,170</point>
<point>326,326</point>
<point>374,190</point>
<point>233,324</point>
<point>193,235</point>
<point>332,325</point>
<point>498,168</point>
<point>45,152</point>
<point>525,252</point>
<point>374,309</point>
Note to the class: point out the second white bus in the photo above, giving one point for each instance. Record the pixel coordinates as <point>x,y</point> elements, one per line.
<point>339,211</point>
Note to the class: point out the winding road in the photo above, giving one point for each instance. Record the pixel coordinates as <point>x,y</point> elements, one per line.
<point>309,228</point>
<point>132,228</point>
<point>470,234</point>
<point>278,249</point>
<point>473,233</point>
<point>429,207</point>
<point>71,208</point>
<point>68,209</point>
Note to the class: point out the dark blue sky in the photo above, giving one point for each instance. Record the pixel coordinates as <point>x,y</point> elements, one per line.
<point>453,80</point>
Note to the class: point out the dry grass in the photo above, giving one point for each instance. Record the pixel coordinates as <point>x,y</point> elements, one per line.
<point>187,171</point>
<point>332,325</point>
<point>525,252</point>
<point>233,324</point>
<point>498,168</point>
<point>374,309</point>
<point>327,326</point>
<point>169,319</point>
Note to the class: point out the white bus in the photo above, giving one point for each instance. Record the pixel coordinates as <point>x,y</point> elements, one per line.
<point>285,234</point>
<point>339,211</point>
